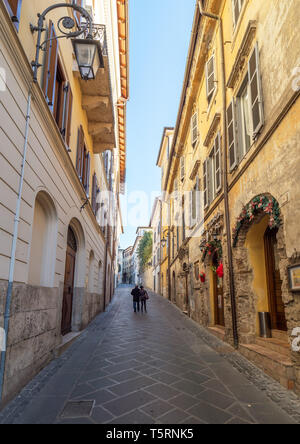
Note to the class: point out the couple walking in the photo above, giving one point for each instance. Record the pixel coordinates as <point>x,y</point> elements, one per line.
<point>140,297</point>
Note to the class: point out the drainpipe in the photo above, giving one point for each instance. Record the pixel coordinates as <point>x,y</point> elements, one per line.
<point>14,246</point>
<point>226,194</point>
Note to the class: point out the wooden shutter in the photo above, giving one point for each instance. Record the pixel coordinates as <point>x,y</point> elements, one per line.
<point>80,153</point>
<point>182,168</point>
<point>256,100</point>
<point>198,200</point>
<point>191,219</point>
<point>94,193</point>
<point>232,137</point>
<point>194,129</point>
<point>77,15</point>
<point>205,183</point>
<point>217,163</point>
<point>87,174</point>
<point>67,113</point>
<point>210,78</point>
<point>14,10</point>
<point>50,68</point>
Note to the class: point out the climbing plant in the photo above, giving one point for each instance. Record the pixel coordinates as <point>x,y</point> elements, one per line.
<point>260,203</point>
<point>145,250</point>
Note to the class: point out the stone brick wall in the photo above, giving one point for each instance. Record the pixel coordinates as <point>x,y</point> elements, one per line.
<point>34,332</point>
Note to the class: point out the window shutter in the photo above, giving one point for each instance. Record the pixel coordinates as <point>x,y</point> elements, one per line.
<point>232,139</point>
<point>182,168</point>
<point>67,113</point>
<point>94,193</point>
<point>256,99</point>
<point>210,78</point>
<point>194,129</point>
<point>87,175</point>
<point>80,153</point>
<point>205,183</point>
<point>77,15</point>
<point>50,68</point>
<point>198,200</point>
<point>14,10</point>
<point>217,163</point>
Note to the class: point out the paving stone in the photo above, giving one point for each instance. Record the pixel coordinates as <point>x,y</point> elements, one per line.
<point>135,417</point>
<point>128,403</point>
<point>184,402</point>
<point>126,375</point>
<point>216,399</point>
<point>101,416</point>
<point>157,408</point>
<point>167,378</point>
<point>198,378</point>
<point>162,391</point>
<point>188,387</point>
<point>210,414</point>
<point>101,383</point>
<point>240,412</point>
<point>174,417</point>
<point>132,386</point>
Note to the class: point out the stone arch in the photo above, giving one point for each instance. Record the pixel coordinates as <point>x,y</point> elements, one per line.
<point>249,262</point>
<point>43,242</point>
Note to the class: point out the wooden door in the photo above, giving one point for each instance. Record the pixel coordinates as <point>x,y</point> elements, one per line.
<point>274,281</point>
<point>218,296</point>
<point>66,324</point>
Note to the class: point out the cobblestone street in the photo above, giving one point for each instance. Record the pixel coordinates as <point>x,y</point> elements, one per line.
<point>155,368</point>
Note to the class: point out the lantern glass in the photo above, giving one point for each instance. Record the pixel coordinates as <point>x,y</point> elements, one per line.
<point>89,57</point>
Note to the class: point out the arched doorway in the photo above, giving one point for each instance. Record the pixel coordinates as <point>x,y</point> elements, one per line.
<point>66,323</point>
<point>274,282</point>
<point>218,293</point>
<point>174,288</point>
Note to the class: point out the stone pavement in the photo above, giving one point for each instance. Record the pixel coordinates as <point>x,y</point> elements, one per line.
<point>154,368</point>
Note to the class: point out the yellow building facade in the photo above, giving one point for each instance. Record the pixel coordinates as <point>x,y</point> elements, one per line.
<point>231,181</point>
<point>62,272</point>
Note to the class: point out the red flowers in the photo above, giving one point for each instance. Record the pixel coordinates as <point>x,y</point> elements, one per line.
<point>220,271</point>
<point>202,276</point>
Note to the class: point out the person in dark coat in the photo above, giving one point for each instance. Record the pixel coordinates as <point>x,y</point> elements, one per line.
<point>144,297</point>
<point>136,298</point>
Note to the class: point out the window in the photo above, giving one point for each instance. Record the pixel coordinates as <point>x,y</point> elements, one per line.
<point>245,116</point>
<point>197,270</point>
<point>210,78</point>
<point>237,6</point>
<point>195,203</point>
<point>77,15</point>
<point>182,168</point>
<point>194,129</point>
<point>57,90</point>
<point>14,10</point>
<point>83,162</point>
<point>212,173</point>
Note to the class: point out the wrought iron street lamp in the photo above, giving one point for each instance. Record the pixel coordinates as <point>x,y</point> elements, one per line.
<point>87,50</point>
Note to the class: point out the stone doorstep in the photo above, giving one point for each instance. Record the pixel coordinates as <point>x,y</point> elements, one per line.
<point>218,331</point>
<point>281,335</point>
<point>276,365</point>
<point>67,341</point>
<point>276,345</point>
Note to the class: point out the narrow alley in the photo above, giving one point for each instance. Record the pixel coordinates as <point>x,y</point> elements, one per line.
<point>154,368</point>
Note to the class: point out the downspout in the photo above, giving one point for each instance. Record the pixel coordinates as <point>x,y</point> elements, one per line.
<point>14,245</point>
<point>225,174</point>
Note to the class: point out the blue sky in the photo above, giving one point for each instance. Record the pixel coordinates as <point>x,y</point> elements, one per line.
<point>160,32</point>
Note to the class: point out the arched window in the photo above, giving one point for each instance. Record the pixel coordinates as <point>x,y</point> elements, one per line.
<point>43,242</point>
<point>100,278</point>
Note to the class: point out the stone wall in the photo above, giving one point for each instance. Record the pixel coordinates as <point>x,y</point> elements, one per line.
<point>34,332</point>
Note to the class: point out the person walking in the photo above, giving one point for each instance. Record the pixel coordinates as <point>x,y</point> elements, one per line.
<point>136,298</point>
<point>144,297</point>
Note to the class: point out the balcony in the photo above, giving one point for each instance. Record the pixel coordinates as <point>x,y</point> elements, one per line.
<point>97,99</point>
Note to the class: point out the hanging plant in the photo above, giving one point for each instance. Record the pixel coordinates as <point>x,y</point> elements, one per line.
<point>260,203</point>
<point>212,247</point>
